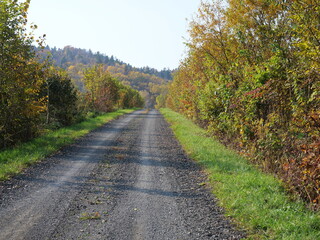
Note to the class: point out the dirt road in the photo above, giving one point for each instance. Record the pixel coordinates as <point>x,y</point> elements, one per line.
<point>127,180</point>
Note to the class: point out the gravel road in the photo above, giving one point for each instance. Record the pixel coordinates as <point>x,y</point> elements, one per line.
<point>129,179</point>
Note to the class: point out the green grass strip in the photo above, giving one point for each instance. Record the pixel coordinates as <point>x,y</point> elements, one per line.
<point>256,201</point>
<point>13,161</point>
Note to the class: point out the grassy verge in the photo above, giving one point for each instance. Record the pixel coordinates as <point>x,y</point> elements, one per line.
<point>256,201</point>
<point>13,161</point>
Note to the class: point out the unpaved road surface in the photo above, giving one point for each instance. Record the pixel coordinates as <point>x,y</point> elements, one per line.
<point>127,180</point>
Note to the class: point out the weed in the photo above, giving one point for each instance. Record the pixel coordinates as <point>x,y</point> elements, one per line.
<point>90,216</point>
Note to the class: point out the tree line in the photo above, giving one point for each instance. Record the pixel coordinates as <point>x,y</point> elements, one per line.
<point>251,77</point>
<point>72,56</point>
<point>36,95</point>
<point>148,81</point>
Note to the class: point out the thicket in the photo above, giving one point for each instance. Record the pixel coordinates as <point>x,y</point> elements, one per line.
<point>252,78</point>
<point>21,76</point>
<point>61,99</point>
<point>105,93</point>
<point>34,95</point>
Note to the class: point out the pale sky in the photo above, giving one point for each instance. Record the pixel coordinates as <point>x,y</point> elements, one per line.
<point>139,32</point>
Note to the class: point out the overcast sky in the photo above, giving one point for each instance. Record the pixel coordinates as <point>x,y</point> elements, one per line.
<point>139,32</point>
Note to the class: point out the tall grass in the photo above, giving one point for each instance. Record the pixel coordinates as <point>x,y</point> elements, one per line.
<point>256,201</point>
<point>13,161</point>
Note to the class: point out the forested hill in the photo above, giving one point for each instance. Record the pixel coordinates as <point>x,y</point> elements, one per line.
<point>148,81</point>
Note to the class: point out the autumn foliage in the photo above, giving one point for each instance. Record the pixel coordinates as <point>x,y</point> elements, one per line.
<point>105,93</point>
<point>35,95</point>
<point>148,81</point>
<point>21,77</point>
<point>252,78</point>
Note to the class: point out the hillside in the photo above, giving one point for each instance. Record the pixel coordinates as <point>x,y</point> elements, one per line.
<point>148,81</point>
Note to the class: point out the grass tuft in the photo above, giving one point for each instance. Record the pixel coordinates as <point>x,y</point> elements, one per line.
<point>90,216</point>
<point>256,201</point>
<point>13,161</point>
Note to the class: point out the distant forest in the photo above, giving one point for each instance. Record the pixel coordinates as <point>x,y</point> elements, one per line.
<point>63,57</point>
<point>148,81</point>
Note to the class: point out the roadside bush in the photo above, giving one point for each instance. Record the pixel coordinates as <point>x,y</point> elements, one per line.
<point>62,99</point>
<point>252,78</point>
<point>21,77</point>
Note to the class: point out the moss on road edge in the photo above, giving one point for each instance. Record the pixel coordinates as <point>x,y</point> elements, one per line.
<point>254,200</point>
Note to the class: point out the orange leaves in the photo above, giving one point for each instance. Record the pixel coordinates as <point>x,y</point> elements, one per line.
<point>304,173</point>
<point>255,93</point>
<point>315,118</point>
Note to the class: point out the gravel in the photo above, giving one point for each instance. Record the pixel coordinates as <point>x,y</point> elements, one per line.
<point>127,180</point>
